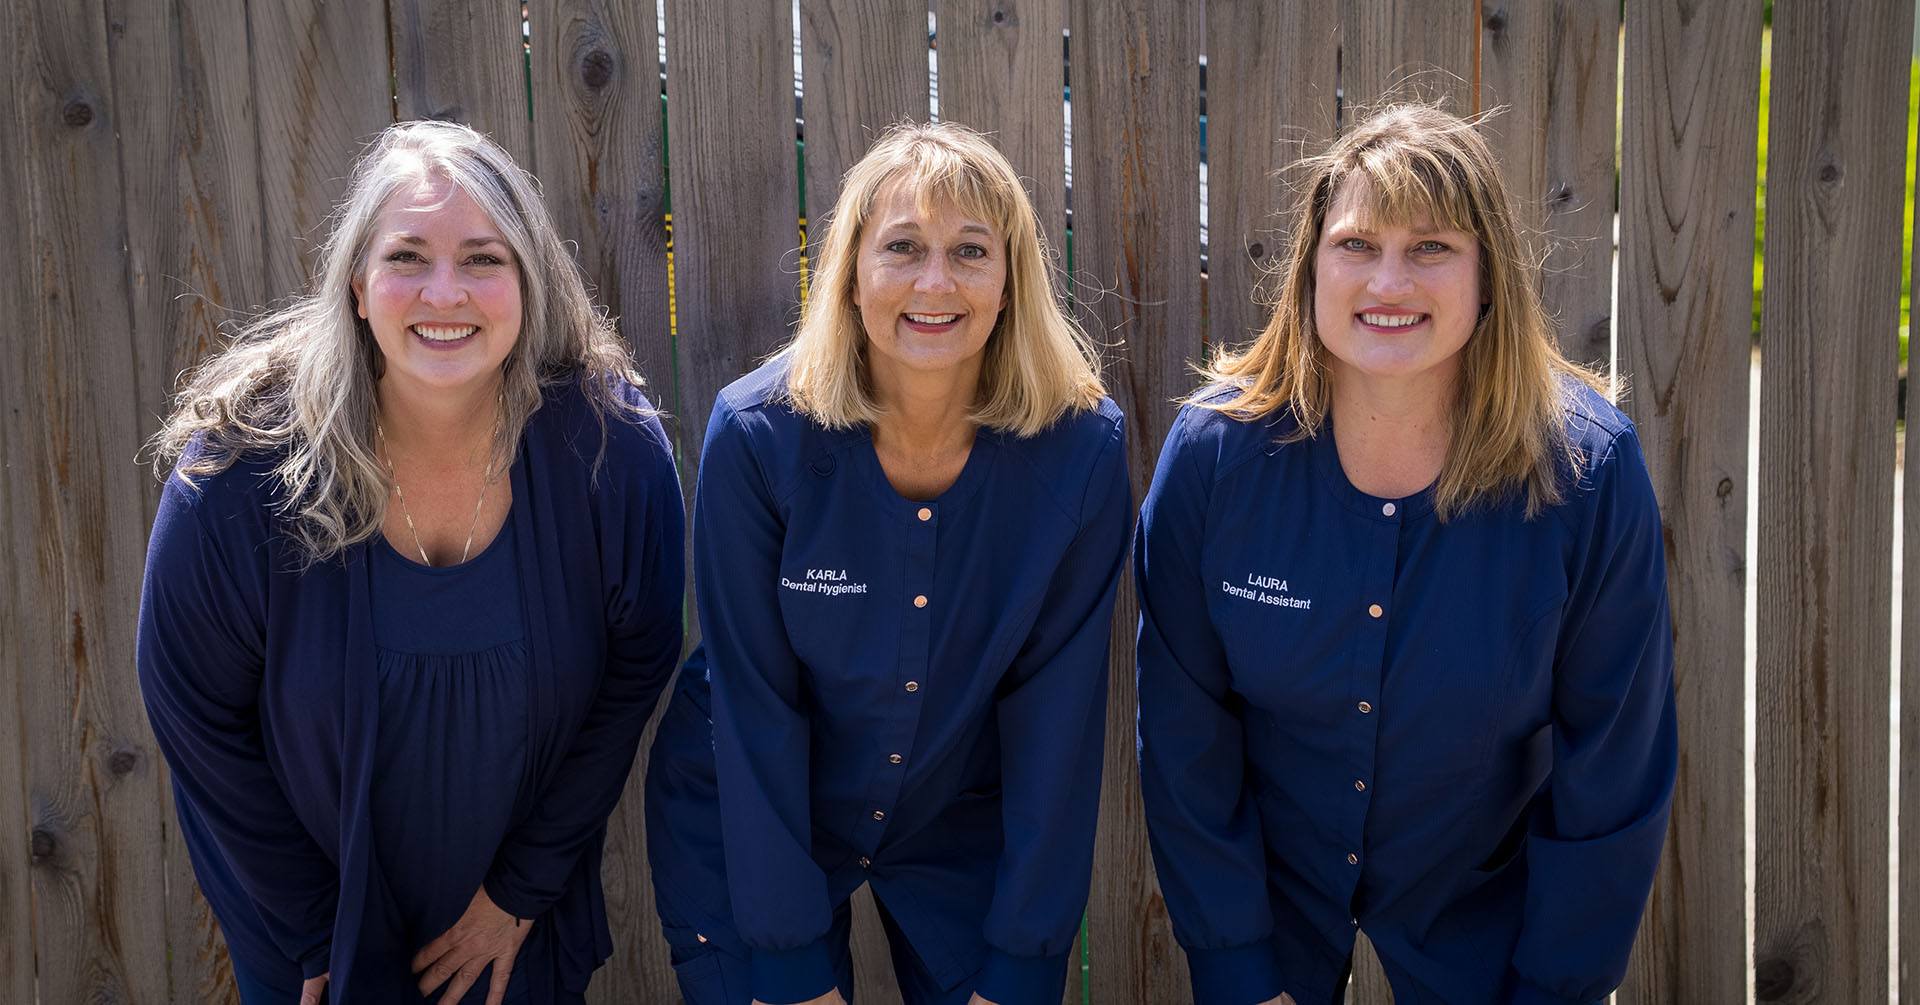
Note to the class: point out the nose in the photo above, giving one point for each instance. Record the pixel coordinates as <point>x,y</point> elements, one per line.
<point>936,277</point>
<point>443,288</point>
<point>1390,278</point>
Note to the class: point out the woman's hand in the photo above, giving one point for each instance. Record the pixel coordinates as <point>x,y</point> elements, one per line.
<point>313,988</point>
<point>483,935</point>
<point>977,1000</point>
<point>1284,999</point>
<point>832,997</point>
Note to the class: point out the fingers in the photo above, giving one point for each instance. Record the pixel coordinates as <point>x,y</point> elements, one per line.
<point>502,971</point>
<point>437,974</point>
<point>463,979</point>
<point>312,988</point>
<point>433,951</point>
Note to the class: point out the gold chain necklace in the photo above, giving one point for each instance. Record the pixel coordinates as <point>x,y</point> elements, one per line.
<point>486,481</point>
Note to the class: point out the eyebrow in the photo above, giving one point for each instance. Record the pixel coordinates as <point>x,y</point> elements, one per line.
<point>471,242</point>
<point>970,228</point>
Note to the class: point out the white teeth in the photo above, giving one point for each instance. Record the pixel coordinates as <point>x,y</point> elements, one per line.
<point>932,319</point>
<point>1393,320</point>
<point>444,333</point>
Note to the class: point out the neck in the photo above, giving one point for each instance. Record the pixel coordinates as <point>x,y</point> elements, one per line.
<point>1392,436</point>
<point>448,423</point>
<point>925,411</point>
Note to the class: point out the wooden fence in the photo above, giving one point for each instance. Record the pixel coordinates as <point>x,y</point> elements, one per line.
<point>167,163</point>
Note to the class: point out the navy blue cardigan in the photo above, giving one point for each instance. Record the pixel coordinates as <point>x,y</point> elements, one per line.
<point>259,681</point>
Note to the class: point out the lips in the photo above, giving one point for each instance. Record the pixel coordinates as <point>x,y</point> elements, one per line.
<point>442,334</point>
<point>1390,321</point>
<point>931,324</point>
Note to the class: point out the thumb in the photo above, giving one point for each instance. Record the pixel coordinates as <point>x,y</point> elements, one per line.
<point>312,988</point>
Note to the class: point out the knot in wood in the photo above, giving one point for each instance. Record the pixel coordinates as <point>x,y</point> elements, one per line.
<point>1829,173</point>
<point>1773,980</point>
<point>43,845</point>
<point>1724,489</point>
<point>999,16</point>
<point>122,762</point>
<point>596,68</point>
<point>1561,194</point>
<point>1497,20</point>
<point>77,113</point>
<point>1257,250</point>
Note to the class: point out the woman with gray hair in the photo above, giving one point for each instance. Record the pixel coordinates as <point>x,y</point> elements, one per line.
<point>413,588</point>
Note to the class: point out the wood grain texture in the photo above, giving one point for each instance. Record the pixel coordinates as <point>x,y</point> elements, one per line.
<point>1553,67</point>
<point>1001,72</point>
<point>1137,236</point>
<point>1408,49</point>
<point>1686,233</point>
<point>1834,191</point>
<point>189,147</point>
<point>735,196</point>
<point>76,535</point>
<point>1907,982</point>
<point>864,67</point>
<point>321,91</point>
<point>464,62</point>
<point>1272,74</point>
<point>600,130</point>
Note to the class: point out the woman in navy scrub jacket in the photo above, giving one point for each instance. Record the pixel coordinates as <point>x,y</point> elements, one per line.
<point>907,533</point>
<point>413,589</point>
<point>1404,655</point>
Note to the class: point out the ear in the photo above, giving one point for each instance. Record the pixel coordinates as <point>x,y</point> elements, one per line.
<point>359,297</point>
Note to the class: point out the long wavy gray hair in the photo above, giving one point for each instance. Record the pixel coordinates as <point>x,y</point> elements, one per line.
<point>298,381</point>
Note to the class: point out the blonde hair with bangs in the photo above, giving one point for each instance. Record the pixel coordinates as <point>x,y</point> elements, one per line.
<point>1508,433</point>
<point>298,381</point>
<point>1038,364</point>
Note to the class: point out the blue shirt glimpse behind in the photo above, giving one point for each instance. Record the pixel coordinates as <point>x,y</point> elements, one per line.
<point>906,692</point>
<point>1458,737</point>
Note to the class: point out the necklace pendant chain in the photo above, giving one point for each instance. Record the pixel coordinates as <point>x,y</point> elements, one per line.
<point>473,525</point>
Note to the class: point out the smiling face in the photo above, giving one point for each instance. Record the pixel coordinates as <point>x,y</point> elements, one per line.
<point>1393,301</point>
<point>440,289</point>
<point>929,281</point>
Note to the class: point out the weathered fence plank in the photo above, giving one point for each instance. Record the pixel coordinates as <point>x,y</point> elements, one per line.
<point>599,128</point>
<point>1686,232</point>
<point>464,62</point>
<point>16,851</point>
<point>330,95</point>
<point>77,533</point>
<point>1001,73</point>
<point>1136,153</point>
<point>1826,456</point>
<point>1408,48</point>
<point>1907,981</point>
<point>1272,74</point>
<point>189,148</point>
<point>1553,66</point>
<point>864,66</point>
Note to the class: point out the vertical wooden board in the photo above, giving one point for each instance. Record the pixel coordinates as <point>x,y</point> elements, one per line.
<point>601,133</point>
<point>1001,72</point>
<point>1553,68</point>
<point>77,526</point>
<point>1826,453</point>
<point>598,124</point>
<point>189,150</point>
<point>735,205</point>
<point>1407,48</point>
<point>864,66</point>
<point>464,62</point>
<point>1907,986</point>
<point>1137,235</point>
<point>1272,72</point>
<point>1686,234</point>
<point>321,91</point>
<point>16,299</point>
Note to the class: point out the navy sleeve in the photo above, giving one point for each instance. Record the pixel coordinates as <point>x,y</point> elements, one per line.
<point>201,653</point>
<point>1592,856</point>
<point>761,748</point>
<point>1201,820</point>
<point>1052,719</point>
<point>643,540</point>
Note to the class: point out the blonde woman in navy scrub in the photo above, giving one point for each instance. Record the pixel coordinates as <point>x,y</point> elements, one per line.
<point>908,529</point>
<point>1404,659</point>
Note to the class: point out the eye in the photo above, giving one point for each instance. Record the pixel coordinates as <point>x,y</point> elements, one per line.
<point>1352,244</point>
<point>900,247</point>
<point>404,255</point>
<point>486,259</point>
<point>1431,247</point>
<point>971,251</point>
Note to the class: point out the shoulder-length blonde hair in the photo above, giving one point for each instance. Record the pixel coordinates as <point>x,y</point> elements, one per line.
<point>298,381</point>
<point>1418,162</point>
<point>1038,363</point>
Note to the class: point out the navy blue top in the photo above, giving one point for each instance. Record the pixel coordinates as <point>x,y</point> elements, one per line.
<point>1459,737</point>
<point>910,693</point>
<point>451,656</point>
<point>270,701</point>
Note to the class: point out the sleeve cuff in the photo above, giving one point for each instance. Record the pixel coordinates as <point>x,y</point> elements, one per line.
<point>513,901</point>
<point>1240,975</point>
<point>785,976</point>
<point>1528,993</point>
<point>1006,979</point>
